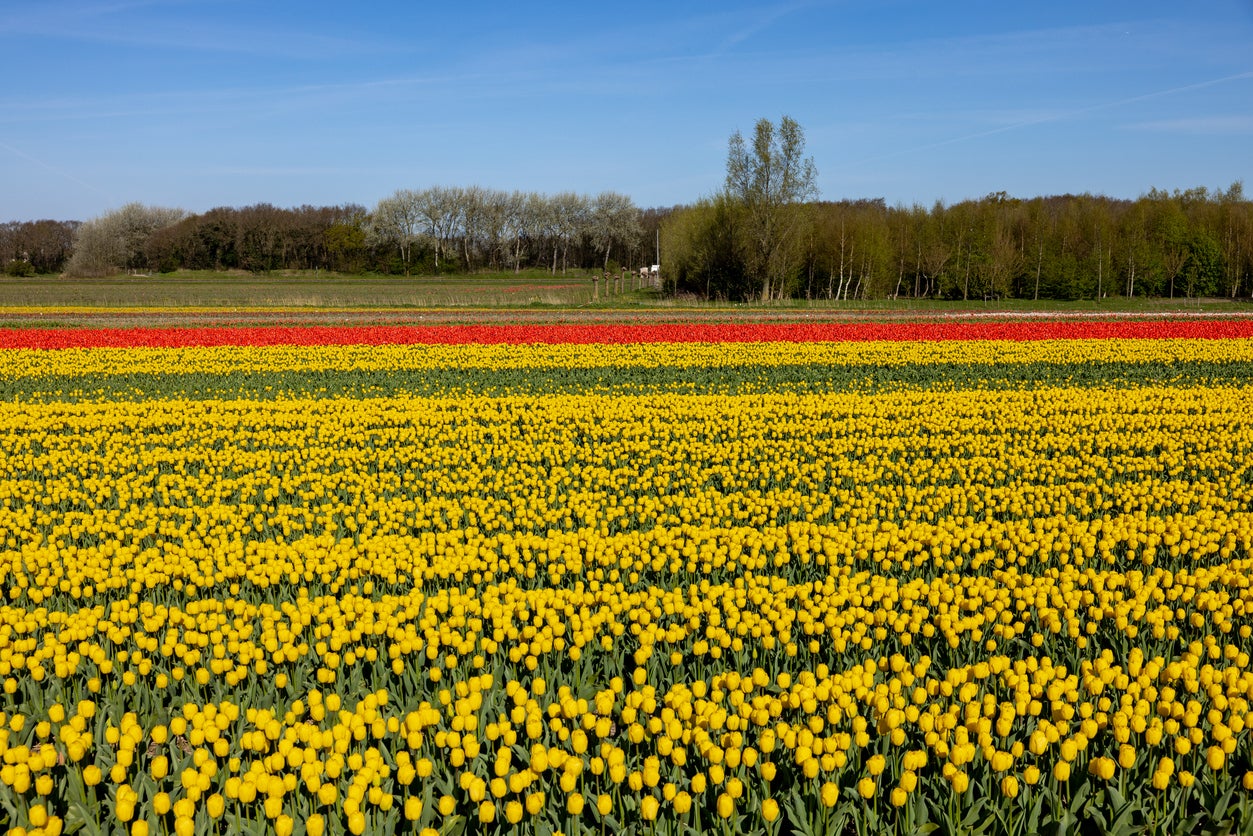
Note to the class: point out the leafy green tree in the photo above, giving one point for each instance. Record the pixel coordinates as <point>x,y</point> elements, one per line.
<point>702,249</point>
<point>345,241</point>
<point>1134,252</point>
<point>1203,270</point>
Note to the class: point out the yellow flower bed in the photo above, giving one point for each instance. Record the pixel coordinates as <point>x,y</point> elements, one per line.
<point>574,612</point>
<point>89,362</point>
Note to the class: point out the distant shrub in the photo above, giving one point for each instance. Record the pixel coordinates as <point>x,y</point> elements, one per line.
<point>19,267</point>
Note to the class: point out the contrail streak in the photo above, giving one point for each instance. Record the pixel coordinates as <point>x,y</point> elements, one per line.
<point>54,170</point>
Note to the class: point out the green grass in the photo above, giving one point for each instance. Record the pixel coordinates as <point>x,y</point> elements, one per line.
<point>307,289</point>
<point>319,290</point>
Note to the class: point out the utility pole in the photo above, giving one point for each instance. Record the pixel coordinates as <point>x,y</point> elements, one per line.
<point>656,282</point>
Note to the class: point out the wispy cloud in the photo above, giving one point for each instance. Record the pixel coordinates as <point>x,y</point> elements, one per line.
<point>1055,55</point>
<point>38,18</point>
<point>232,100</point>
<point>763,22</point>
<point>1072,114</point>
<point>1199,125</point>
<point>60,172</point>
<point>284,171</point>
<point>175,26</point>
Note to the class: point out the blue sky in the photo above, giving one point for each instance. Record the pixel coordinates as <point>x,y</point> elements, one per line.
<point>203,103</point>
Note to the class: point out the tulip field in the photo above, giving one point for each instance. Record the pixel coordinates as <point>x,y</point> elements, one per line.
<point>800,578</point>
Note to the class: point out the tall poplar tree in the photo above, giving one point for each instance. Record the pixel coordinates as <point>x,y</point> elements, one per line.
<point>772,179</point>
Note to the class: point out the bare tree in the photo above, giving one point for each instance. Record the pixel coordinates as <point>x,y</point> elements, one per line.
<point>545,227</point>
<point>613,219</point>
<point>440,207</point>
<point>495,224</point>
<point>116,240</point>
<point>397,220</point>
<point>523,221</point>
<point>474,209</point>
<point>570,216</point>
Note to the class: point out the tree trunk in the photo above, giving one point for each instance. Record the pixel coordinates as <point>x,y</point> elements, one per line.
<point>919,272</point>
<point>1039,262</point>
<point>837,295</point>
<point>1100,271</point>
<point>966,286</point>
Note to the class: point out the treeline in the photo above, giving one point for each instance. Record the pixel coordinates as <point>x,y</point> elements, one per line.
<point>1180,244</point>
<point>1190,243</point>
<point>431,231</point>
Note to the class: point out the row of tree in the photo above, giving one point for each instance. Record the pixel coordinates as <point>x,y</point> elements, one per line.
<point>1192,243</point>
<point>1181,244</point>
<point>487,227</point>
<point>434,230</point>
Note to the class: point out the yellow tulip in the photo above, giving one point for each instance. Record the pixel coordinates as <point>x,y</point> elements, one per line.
<point>1215,758</point>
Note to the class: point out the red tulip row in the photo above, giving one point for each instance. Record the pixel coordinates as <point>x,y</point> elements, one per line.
<point>643,333</point>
